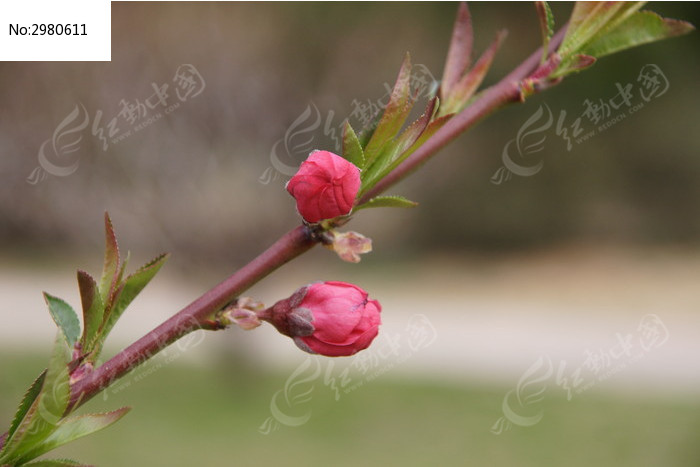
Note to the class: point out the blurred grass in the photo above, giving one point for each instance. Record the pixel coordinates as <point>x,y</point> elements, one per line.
<point>188,415</point>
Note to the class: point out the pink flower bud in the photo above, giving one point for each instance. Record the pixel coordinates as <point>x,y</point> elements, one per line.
<point>329,318</point>
<point>325,186</point>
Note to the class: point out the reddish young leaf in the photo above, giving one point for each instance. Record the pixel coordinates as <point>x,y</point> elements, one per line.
<point>395,114</point>
<point>466,86</point>
<point>111,264</point>
<point>460,51</point>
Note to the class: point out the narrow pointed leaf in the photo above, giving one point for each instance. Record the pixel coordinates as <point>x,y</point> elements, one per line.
<point>544,13</point>
<point>394,116</point>
<point>93,308</point>
<point>388,202</point>
<point>371,174</point>
<point>626,10</point>
<point>469,83</point>
<point>352,149</point>
<point>55,391</point>
<point>576,63</point>
<point>27,401</point>
<point>594,19</point>
<point>55,463</point>
<point>65,318</point>
<point>130,288</point>
<point>460,51</point>
<point>123,266</point>
<point>434,126</point>
<point>640,28</point>
<point>111,264</point>
<point>581,24</point>
<point>46,410</point>
<point>399,147</point>
<point>413,132</point>
<point>366,134</point>
<point>74,428</point>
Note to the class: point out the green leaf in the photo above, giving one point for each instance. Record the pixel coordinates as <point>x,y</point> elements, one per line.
<point>108,282</point>
<point>640,28</point>
<point>574,64</point>
<point>371,175</point>
<point>388,202</point>
<point>74,428</point>
<point>130,288</point>
<point>433,126</point>
<point>55,463</point>
<point>55,392</point>
<point>460,51</point>
<point>93,309</point>
<point>544,13</point>
<point>394,116</point>
<point>46,410</point>
<point>122,268</point>
<point>416,129</point>
<point>27,401</point>
<point>352,149</point>
<point>466,86</point>
<point>65,318</point>
<point>589,19</point>
<point>398,150</point>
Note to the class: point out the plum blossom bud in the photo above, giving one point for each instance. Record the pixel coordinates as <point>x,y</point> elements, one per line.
<point>325,186</point>
<point>328,318</point>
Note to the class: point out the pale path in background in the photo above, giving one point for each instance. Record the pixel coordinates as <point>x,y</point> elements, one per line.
<point>492,320</point>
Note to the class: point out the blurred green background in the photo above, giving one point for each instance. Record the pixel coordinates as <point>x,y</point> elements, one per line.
<point>556,263</point>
